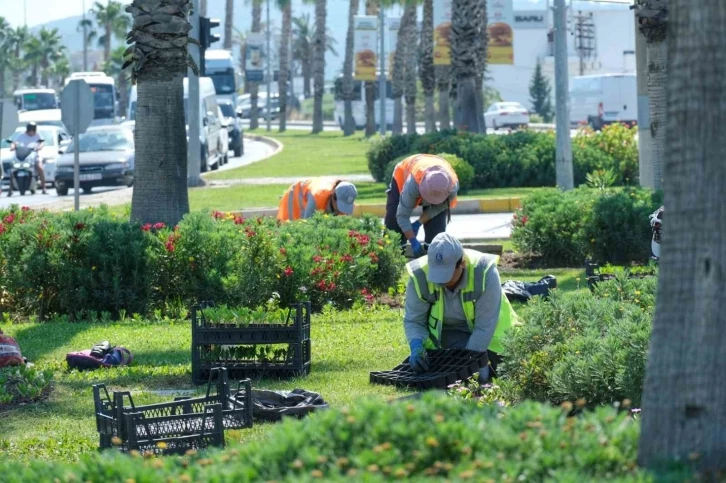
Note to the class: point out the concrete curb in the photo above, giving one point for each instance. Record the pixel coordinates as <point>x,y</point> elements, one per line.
<point>276,146</point>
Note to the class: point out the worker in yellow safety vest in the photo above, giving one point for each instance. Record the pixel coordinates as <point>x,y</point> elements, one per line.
<point>304,198</point>
<point>421,180</point>
<point>454,300</point>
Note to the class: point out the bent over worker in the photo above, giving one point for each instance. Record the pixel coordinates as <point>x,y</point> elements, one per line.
<point>426,180</point>
<point>454,300</point>
<point>304,198</point>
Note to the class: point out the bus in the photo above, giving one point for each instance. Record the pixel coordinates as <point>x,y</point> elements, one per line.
<point>105,98</point>
<point>220,66</point>
<point>35,99</point>
<point>359,103</point>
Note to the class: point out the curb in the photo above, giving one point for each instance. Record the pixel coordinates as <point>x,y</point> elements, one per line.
<point>276,146</point>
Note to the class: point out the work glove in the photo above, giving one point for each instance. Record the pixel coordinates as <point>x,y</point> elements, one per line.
<point>415,226</point>
<point>418,360</point>
<point>418,250</point>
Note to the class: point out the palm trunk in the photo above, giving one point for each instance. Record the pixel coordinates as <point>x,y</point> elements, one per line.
<point>465,47</point>
<point>34,75</point>
<point>684,402</point>
<point>370,86</point>
<point>18,72</point>
<point>443,73</point>
<point>349,122</point>
<point>307,76</point>
<point>107,43</point>
<point>254,86</point>
<point>44,73</point>
<point>481,70</point>
<point>657,93</point>
<point>426,65</point>
<point>398,76</point>
<point>410,75</point>
<point>319,65</point>
<point>2,82</point>
<point>228,22</point>
<point>284,63</point>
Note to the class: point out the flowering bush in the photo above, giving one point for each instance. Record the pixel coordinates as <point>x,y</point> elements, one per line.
<point>72,263</point>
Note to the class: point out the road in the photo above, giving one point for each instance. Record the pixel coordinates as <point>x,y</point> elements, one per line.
<point>254,151</point>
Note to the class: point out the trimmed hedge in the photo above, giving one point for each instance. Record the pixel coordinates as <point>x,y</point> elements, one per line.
<point>94,262</point>
<point>436,437</point>
<point>565,228</point>
<point>524,158</point>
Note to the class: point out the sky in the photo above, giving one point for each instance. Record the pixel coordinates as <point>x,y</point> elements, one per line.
<point>41,11</point>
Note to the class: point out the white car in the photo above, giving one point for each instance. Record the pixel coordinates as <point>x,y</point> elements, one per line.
<point>506,114</point>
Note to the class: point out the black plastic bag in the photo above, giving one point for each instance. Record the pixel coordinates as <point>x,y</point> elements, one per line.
<point>273,405</point>
<point>523,291</point>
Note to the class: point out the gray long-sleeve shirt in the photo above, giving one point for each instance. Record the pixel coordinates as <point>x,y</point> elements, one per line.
<point>311,207</point>
<point>486,312</point>
<point>409,195</point>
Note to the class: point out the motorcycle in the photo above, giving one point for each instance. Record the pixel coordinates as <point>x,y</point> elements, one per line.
<point>23,171</point>
<point>656,224</point>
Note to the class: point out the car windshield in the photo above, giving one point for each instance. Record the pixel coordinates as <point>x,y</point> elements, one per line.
<point>227,109</point>
<point>104,140</point>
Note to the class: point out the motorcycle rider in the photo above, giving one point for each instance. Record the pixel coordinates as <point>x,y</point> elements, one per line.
<point>31,136</point>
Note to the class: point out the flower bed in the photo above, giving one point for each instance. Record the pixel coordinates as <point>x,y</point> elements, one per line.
<point>89,263</point>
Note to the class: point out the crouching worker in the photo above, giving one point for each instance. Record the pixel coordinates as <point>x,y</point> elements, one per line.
<point>304,198</point>
<point>454,300</point>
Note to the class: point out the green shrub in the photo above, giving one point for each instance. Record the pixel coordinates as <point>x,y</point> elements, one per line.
<point>436,437</point>
<point>617,141</point>
<point>582,346</point>
<point>22,385</point>
<point>464,171</point>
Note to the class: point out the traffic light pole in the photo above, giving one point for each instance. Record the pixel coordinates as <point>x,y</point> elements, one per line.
<point>194,146</point>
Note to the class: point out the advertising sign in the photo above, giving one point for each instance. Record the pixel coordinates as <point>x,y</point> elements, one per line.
<point>365,46</point>
<point>255,58</point>
<point>535,19</point>
<point>501,32</point>
<point>442,32</point>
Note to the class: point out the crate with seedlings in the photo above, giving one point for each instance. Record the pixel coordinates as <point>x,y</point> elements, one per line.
<point>172,427</point>
<point>596,273</point>
<point>268,342</point>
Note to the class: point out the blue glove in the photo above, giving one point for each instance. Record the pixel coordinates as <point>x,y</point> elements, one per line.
<point>417,249</point>
<point>415,226</point>
<point>418,360</point>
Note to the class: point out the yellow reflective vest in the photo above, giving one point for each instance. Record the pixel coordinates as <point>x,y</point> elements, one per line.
<point>477,266</point>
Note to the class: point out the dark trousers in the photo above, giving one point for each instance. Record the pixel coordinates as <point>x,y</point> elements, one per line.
<point>433,227</point>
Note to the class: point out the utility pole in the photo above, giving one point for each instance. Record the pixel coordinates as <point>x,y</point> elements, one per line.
<point>382,91</point>
<point>645,138</point>
<point>584,38</point>
<point>563,162</point>
<point>194,146</point>
<point>85,39</point>
<point>268,58</point>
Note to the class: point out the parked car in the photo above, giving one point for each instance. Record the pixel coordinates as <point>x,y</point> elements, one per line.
<point>106,159</point>
<point>55,141</point>
<point>274,107</point>
<point>234,127</point>
<point>223,139</point>
<point>506,114</point>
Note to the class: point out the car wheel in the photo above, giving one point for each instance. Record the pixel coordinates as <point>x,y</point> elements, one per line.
<point>494,125</point>
<point>61,191</point>
<point>216,164</point>
<point>204,168</point>
<point>238,148</point>
<point>87,190</point>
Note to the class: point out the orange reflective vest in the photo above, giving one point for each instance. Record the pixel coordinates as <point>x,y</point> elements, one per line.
<point>295,200</point>
<point>416,166</point>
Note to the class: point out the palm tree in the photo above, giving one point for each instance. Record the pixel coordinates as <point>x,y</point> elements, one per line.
<point>115,23</point>
<point>4,47</point>
<point>41,52</point>
<point>409,89</point>
<point>85,25</point>
<point>654,28</point>
<point>159,60</point>
<point>114,68</point>
<point>16,43</point>
<point>684,403</point>
<point>372,7</point>
<point>60,69</point>
<point>319,64</point>
<point>443,85</point>
<point>228,22</point>
<point>349,122</point>
<point>303,32</point>
<point>483,35</point>
<point>426,64</point>
<point>465,62</point>
<point>408,19</point>
<point>254,86</point>
<point>286,7</point>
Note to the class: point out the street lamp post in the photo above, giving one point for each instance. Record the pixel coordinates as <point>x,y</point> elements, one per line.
<point>382,77</point>
<point>269,65</point>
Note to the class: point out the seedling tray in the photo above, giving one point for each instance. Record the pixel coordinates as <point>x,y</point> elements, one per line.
<point>446,366</point>
<point>593,275</point>
<point>186,422</point>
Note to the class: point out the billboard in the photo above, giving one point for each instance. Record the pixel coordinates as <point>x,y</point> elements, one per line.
<point>442,32</point>
<point>365,46</point>
<point>501,32</point>
<point>255,58</point>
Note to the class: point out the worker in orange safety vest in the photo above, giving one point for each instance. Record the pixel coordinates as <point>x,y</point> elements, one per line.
<point>304,198</point>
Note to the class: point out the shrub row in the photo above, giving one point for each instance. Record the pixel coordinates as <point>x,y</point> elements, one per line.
<point>435,438</point>
<point>72,263</point>
<point>525,158</point>
<point>565,228</point>
<point>571,346</point>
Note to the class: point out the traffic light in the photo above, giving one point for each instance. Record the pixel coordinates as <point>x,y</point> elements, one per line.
<point>206,37</point>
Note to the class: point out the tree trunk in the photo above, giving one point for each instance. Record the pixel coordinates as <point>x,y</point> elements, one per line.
<point>255,86</point>
<point>284,63</point>
<point>370,86</point>
<point>410,75</point>
<point>397,126</point>
<point>228,22</point>
<point>684,398</point>
<point>107,43</point>
<point>443,73</point>
<point>319,65</point>
<point>44,74</point>
<point>349,121</point>
<point>398,76</point>
<point>483,43</point>
<point>426,65</point>
<point>465,48</point>
<point>657,93</point>
<point>307,76</point>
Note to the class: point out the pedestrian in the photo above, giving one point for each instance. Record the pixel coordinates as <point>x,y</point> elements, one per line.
<point>454,300</point>
<point>426,180</point>
<point>304,198</point>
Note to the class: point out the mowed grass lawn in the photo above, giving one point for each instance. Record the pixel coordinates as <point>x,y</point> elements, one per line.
<point>305,154</point>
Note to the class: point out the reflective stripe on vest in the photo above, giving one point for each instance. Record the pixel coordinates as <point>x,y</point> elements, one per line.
<point>294,201</point>
<point>416,166</point>
<point>477,266</point>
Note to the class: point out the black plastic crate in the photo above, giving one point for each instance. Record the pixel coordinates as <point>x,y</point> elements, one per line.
<point>296,362</point>
<point>190,420</point>
<point>446,366</point>
<point>593,275</point>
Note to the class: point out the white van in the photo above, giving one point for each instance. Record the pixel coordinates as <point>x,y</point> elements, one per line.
<point>210,125</point>
<point>603,99</point>
<point>35,99</point>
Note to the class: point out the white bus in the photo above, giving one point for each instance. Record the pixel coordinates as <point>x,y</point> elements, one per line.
<point>603,99</point>
<point>359,103</point>
<point>103,87</point>
<point>35,99</point>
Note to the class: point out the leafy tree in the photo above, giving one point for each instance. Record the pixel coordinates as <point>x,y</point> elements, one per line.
<point>540,94</point>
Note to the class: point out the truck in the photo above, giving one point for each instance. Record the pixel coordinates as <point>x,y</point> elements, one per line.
<point>219,65</point>
<point>603,99</point>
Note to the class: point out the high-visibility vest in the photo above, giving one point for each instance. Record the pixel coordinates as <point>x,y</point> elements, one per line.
<point>477,265</point>
<point>416,166</point>
<point>295,200</point>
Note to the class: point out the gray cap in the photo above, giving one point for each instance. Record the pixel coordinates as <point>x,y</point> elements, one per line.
<point>345,194</point>
<point>444,253</point>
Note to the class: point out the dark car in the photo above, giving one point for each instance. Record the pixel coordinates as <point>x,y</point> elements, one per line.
<point>233,126</point>
<point>106,155</point>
